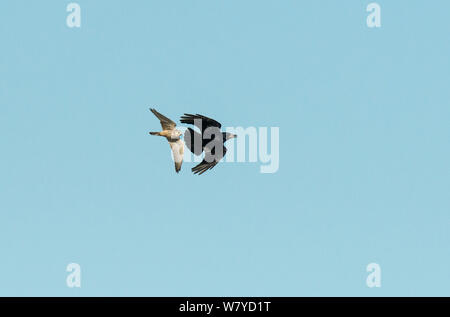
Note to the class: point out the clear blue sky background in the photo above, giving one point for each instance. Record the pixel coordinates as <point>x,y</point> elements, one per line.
<point>364,148</point>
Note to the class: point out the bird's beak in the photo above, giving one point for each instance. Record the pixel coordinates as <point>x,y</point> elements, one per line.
<point>234,136</point>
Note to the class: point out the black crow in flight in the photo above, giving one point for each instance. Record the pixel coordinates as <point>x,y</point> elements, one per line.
<point>211,140</point>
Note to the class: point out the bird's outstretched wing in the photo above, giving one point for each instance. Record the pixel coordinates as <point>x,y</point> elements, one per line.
<point>211,159</point>
<point>166,123</point>
<point>203,167</point>
<point>200,121</point>
<point>178,152</point>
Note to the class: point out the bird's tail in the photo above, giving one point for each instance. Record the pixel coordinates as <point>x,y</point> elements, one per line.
<point>155,133</point>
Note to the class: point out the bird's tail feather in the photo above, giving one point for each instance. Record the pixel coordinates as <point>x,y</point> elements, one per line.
<point>155,133</point>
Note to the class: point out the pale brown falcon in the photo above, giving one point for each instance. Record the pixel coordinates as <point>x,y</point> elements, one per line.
<point>173,137</point>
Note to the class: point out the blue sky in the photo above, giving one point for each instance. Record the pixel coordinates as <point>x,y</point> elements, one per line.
<point>364,148</point>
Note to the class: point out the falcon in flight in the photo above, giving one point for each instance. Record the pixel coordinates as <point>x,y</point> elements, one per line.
<point>211,141</point>
<point>173,136</point>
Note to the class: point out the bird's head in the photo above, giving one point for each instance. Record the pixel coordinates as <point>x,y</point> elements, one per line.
<point>178,133</point>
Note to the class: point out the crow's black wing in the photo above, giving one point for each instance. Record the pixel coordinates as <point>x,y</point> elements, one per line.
<point>200,121</point>
<point>212,157</point>
<point>203,167</point>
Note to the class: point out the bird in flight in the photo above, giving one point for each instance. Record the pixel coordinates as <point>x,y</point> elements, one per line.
<point>211,141</point>
<point>173,136</point>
